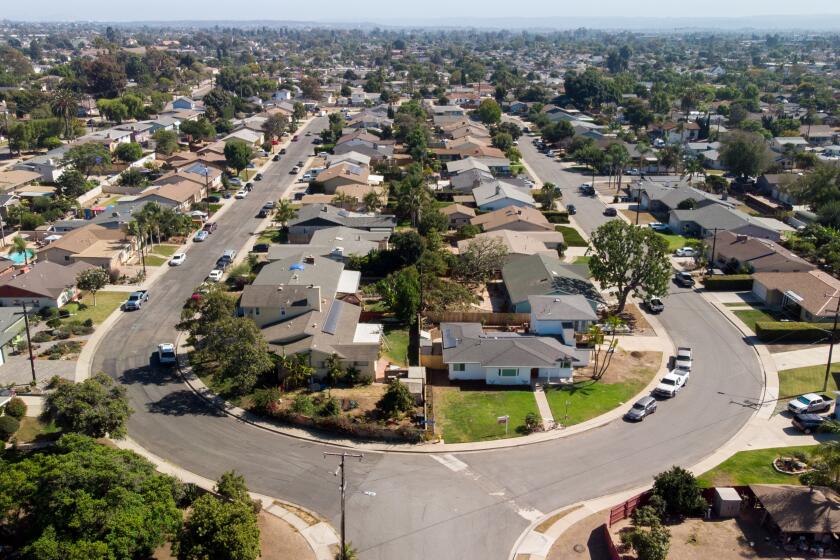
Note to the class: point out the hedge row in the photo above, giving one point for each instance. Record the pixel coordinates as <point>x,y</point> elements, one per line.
<point>790,331</point>
<point>731,282</point>
<point>556,216</point>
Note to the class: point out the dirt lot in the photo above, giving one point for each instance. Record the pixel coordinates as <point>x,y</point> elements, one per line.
<point>626,366</point>
<point>644,217</point>
<point>638,320</point>
<point>586,534</point>
<point>366,395</point>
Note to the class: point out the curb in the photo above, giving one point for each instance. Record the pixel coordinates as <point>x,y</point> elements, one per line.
<point>320,536</point>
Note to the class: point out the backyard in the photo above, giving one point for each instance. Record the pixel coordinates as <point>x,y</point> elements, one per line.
<point>464,415</point>
<point>395,345</point>
<point>752,467</point>
<point>627,375</point>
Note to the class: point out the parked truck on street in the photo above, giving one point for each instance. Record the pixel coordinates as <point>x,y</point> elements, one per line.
<point>136,300</point>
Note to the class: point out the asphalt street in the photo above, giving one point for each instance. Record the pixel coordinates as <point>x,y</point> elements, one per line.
<point>413,506</point>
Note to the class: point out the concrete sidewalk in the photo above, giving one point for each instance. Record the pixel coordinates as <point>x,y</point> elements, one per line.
<point>816,355</point>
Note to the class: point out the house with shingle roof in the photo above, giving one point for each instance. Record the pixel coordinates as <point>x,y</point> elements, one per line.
<point>500,194</point>
<point>313,217</point>
<point>514,218</point>
<point>47,283</point>
<point>92,244</point>
<point>545,275</point>
<point>807,296</point>
<point>759,255</point>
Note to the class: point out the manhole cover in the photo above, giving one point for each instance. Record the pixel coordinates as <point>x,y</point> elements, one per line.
<point>579,548</point>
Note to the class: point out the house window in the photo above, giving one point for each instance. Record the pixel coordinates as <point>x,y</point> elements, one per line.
<point>508,372</point>
<point>67,257</point>
<point>564,364</point>
<point>459,367</point>
<point>257,311</point>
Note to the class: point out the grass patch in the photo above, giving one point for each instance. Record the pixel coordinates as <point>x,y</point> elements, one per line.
<point>395,347</point>
<point>588,399</point>
<point>751,316</point>
<point>571,236</point>
<point>741,304</point>
<point>273,236</point>
<point>808,379</point>
<point>34,429</point>
<point>110,201</point>
<point>582,260</point>
<point>464,416</point>
<point>106,303</point>
<point>155,260</point>
<point>674,241</point>
<point>165,250</point>
<point>377,306</point>
<point>752,467</point>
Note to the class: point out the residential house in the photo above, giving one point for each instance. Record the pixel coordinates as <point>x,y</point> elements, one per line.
<point>818,134</point>
<point>521,242</point>
<point>514,218</point>
<point>343,174</point>
<point>660,196</point>
<point>336,243</point>
<point>49,166</point>
<point>563,316</point>
<point>458,215</point>
<point>351,157</point>
<point>46,283</point>
<point>503,358</point>
<point>758,255</point>
<point>182,193</point>
<point>777,187</point>
<point>91,244</point>
<point>782,143</point>
<point>310,218</point>
<point>251,137</point>
<point>705,220</point>
<point>499,194</point>
<point>11,326</point>
<point>468,180</point>
<point>541,275</point>
<point>807,296</point>
<point>181,103</point>
<point>16,179</point>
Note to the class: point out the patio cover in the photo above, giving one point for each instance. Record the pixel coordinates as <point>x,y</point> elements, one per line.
<point>800,509</point>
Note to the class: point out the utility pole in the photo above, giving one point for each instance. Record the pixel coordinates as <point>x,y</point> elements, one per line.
<point>714,247</point>
<point>342,552</point>
<point>22,303</point>
<point>831,342</point>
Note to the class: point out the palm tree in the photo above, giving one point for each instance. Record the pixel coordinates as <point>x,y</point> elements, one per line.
<point>694,166</point>
<point>344,200</point>
<point>284,212</point>
<point>372,201</point>
<point>349,553</point>
<point>20,246</point>
<point>65,105</point>
<point>828,453</point>
<point>548,195</point>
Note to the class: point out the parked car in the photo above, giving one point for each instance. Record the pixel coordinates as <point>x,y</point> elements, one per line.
<point>215,275</point>
<point>642,408</point>
<point>299,195</point>
<point>808,423</point>
<point>610,212</point>
<point>136,300</point>
<point>166,353</point>
<point>669,385</point>
<point>687,252</point>
<point>283,151</point>
<point>240,194</point>
<point>276,158</point>
<point>210,227</point>
<point>213,199</point>
<point>587,189</point>
<point>295,138</point>
<point>201,236</point>
<point>226,194</point>
<point>655,305</point>
<point>683,358</point>
<point>317,141</point>
<point>659,226</point>
<point>810,402</point>
<point>258,177</point>
<point>260,248</point>
<point>294,170</point>
<point>249,186</point>
<point>684,279</point>
<point>269,205</point>
<point>263,213</point>
<point>632,171</point>
<point>300,163</point>
<point>571,209</point>
<point>177,259</point>
<point>306,177</point>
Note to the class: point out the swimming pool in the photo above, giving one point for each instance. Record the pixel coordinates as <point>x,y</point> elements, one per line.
<point>18,257</point>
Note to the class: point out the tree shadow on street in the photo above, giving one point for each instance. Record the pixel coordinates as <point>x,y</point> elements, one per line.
<point>182,403</point>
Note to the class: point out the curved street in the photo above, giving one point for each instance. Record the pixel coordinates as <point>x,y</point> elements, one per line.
<point>405,505</point>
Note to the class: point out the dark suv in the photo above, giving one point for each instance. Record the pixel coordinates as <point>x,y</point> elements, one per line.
<point>210,227</point>
<point>684,279</point>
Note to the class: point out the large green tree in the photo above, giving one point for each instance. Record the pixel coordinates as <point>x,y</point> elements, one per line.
<point>79,499</point>
<point>129,152</point>
<point>481,258</point>
<point>219,529</point>
<point>489,111</point>
<point>92,280</point>
<point>238,154</point>
<point>96,407</point>
<point>235,349</point>
<point>745,154</point>
<point>166,142</point>
<point>628,259</point>
<point>89,158</point>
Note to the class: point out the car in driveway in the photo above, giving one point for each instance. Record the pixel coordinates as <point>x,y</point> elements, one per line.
<point>201,236</point>
<point>215,275</point>
<point>610,212</point>
<point>240,194</point>
<point>686,252</point>
<point>808,422</point>
<point>670,385</point>
<point>177,259</point>
<point>809,402</point>
<point>659,226</point>
<point>641,409</point>
<point>684,279</point>
<point>260,248</point>
<point>269,205</point>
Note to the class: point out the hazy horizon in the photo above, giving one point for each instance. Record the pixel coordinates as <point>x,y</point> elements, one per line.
<point>436,11</point>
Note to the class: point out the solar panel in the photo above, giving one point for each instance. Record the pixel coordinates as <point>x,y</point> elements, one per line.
<point>449,339</point>
<point>331,324</point>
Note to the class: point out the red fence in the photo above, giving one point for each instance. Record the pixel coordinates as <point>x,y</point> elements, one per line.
<point>626,509</point>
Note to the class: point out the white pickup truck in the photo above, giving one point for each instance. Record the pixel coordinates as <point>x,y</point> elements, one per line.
<point>810,402</point>
<point>671,384</point>
<point>683,358</point>
<point>166,353</point>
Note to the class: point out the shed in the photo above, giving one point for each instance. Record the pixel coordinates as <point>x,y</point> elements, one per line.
<point>727,502</point>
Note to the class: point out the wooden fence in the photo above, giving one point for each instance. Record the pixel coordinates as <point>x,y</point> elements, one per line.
<point>626,509</point>
<point>483,317</point>
<point>611,549</point>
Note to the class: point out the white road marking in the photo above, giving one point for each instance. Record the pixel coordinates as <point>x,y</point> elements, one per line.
<point>528,514</point>
<point>450,462</point>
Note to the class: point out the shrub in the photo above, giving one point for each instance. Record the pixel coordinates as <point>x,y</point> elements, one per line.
<point>532,421</point>
<point>679,490</point>
<point>772,331</point>
<point>16,408</point>
<point>42,336</point>
<point>396,400</point>
<point>265,400</point>
<point>303,405</point>
<point>8,426</point>
<point>88,322</point>
<point>556,216</point>
<point>729,282</point>
<point>53,323</point>
<point>331,407</point>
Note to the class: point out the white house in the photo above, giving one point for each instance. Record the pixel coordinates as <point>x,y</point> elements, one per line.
<point>561,315</point>
<point>498,194</point>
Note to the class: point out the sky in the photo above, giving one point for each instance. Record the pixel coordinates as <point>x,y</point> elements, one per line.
<point>390,10</point>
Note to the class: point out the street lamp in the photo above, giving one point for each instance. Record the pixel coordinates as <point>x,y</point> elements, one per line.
<point>22,304</point>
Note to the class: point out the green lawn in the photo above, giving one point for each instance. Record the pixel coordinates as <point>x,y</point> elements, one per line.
<point>272,236</point>
<point>751,316</point>
<point>155,260</point>
<point>395,348</point>
<point>32,429</point>
<point>165,250</point>
<point>809,379</point>
<point>674,241</point>
<point>106,303</point>
<point>571,236</point>
<point>112,200</point>
<point>752,467</point>
<point>464,416</point>
<point>588,399</point>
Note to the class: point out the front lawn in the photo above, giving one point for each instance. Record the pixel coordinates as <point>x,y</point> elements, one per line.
<point>571,236</point>
<point>273,236</point>
<point>752,467</point>
<point>155,260</point>
<point>33,429</point>
<point>106,303</point>
<point>808,379</point>
<point>752,316</point>
<point>674,241</point>
<point>395,345</point>
<point>465,415</point>
<point>165,250</point>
